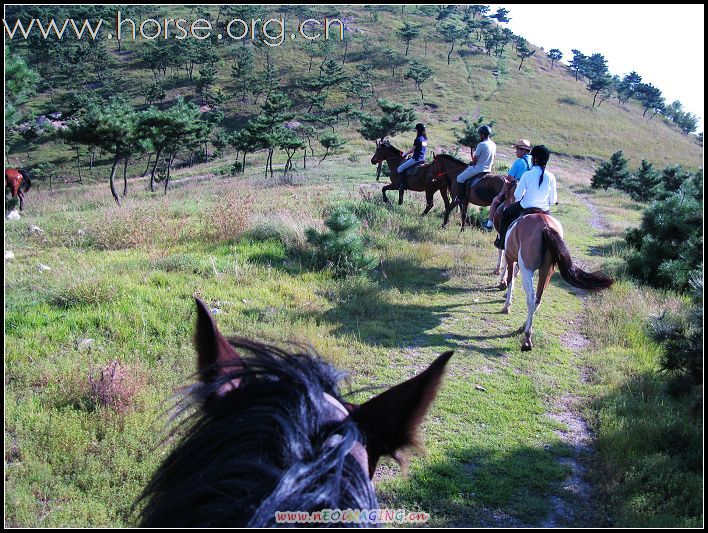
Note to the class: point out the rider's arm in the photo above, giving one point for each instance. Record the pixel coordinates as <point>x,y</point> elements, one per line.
<point>554,193</point>
<point>520,188</point>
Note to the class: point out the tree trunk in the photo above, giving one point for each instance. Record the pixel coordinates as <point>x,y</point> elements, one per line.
<point>125,178</point>
<point>450,53</point>
<point>78,163</point>
<point>113,175</point>
<point>154,169</point>
<point>169,169</point>
<point>407,45</point>
<point>243,165</point>
<point>148,165</point>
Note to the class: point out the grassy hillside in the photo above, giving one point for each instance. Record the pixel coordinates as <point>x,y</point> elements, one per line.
<point>545,105</point>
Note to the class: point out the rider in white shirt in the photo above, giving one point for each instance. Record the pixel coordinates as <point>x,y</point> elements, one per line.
<point>536,188</point>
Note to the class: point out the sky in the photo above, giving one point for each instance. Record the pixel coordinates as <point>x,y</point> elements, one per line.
<point>663,43</point>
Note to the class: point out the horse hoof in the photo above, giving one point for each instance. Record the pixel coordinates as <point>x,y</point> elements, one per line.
<point>502,286</point>
<point>505,311</point>
<point>526,346</point>
<point>496,272</point>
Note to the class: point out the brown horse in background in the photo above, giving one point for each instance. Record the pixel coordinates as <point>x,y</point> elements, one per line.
<point>535,242</point>
<point>482,194</point>
<point>509,189</point>
<point>18,181</point>
<point>421,180</point>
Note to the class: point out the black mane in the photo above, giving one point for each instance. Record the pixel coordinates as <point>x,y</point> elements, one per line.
<point>267,446</point>
<point>452,158</point>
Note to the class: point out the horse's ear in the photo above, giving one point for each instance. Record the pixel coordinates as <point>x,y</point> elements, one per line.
<point>390,420</point>
<point>216,357</point>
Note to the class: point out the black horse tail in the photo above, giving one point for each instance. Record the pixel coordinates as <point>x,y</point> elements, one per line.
<point>26,182</point>
<point>590,281</point>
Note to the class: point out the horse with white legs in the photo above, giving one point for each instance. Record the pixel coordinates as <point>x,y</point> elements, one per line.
<point>535,242</point>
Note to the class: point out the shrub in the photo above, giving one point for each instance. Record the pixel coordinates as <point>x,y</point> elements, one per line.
<point>668,246</point>
<point>340,249</point>
<point>682,337</point>
<point>612,173</point>
<point>115,387</point>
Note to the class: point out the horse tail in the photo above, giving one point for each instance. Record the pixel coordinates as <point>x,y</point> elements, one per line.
<point>26,183</point>
<point>589,281</point>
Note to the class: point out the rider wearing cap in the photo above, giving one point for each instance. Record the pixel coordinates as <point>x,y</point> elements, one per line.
<point>420,146</point>
<point>536,189</point>
<point>522,164</point>
<point>483,158</point>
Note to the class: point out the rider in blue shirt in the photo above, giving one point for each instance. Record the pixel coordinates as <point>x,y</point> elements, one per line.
<point>522,164</point>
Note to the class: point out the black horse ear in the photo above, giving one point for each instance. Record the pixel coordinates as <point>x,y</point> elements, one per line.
<point>390,420</point>
<point>215,356</point>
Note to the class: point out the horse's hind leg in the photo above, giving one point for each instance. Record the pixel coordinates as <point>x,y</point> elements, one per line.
<point>501,269</point>
<point>429,193</point>
<point>511,270</point>
<point>388,187</point>
<point>21,196</point>
<point>497,270</point>
<point>544,278</point>
<point>463,214</point>
<point>527,280</point>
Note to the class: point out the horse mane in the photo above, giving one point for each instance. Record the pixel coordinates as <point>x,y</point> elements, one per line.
<point>389,145</point>
<point>268,445</point>
<point>452,158</point>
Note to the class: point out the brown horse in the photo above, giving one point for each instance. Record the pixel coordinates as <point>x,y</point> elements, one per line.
<point>535,242</point>
<point>509,189</point>
<point>420,180</point>
<point>18,181</point>
<point>481,194</point>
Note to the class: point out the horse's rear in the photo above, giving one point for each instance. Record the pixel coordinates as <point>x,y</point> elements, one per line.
<point>536,242</point>
<point>18,181</point>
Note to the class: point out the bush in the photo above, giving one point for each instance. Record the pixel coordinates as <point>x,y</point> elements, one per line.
<point>612,173</point>
<point>568,100</point>
<point>341,249</point>
<point>668,246</point>
<point>682,337</point>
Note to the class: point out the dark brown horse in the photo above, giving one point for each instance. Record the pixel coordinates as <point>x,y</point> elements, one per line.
<point>272,433</point>
<point>481,194</point>
<point>535,242</point>
<point>18,181</point>
<point>421,180</point>
<point>508,191</point>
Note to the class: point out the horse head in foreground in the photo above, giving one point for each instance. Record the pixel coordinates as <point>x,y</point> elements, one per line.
<point>18,181</point>
<point>273,433</point>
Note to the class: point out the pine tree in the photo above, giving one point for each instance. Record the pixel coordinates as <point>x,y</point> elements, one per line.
<point>554,55</point>
<point>341,249</point>
<point>642,185</point>
<point>612,173</point>
<point>419,73</point>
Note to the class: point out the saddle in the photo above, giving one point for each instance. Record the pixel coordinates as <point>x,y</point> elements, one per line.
<point>533,211</point>
<point>411,171</point>
<point>471,182</point>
